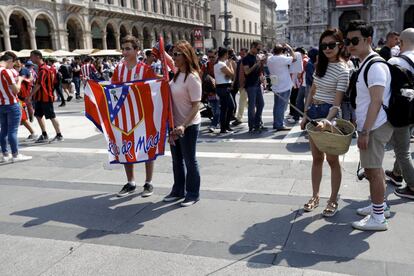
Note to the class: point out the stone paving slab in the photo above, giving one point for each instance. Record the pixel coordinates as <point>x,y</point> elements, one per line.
<point>27,256</point>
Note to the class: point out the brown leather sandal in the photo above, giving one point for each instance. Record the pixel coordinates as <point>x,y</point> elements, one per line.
<point>312,204</point>
<point>330,209</point>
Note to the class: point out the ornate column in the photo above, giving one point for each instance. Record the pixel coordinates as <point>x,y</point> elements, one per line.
<point>104,44</point>
<point>87,40</point>
<point>32,35</point>
<point>118,43</point>
<point>6,36</point>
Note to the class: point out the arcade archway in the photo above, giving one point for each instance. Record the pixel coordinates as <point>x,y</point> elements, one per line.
<point>346,17</point>
<point>409,17</point>
<point>19,35</point>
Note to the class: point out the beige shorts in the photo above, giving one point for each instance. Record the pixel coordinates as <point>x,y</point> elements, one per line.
<point>372,157</point>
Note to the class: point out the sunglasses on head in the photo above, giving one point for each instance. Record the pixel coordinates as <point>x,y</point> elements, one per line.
<point>331,45</point>
<point>354,41</point>
<point>177,54</point>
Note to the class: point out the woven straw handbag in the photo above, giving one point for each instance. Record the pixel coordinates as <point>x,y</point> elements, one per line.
<point>332,143</point>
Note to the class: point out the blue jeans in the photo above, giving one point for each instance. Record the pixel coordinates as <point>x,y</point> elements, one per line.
<point>279,108</point>
<point>185,165</point>
<point>318,111</point>
<point>300,100</point>
<point>77,82</point>
<point>255,106</point>
<point>10,116</point>
<point>215,108</point>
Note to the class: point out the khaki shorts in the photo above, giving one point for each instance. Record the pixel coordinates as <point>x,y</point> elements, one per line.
<point>372,157</point>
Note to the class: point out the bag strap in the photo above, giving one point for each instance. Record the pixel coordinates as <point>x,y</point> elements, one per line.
<point>373,59</point>
<point>408,60</point>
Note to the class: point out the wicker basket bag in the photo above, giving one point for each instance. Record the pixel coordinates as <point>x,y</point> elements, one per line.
<point>332,143</point>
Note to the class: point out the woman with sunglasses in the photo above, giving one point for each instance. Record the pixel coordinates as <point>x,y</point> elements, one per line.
<point>331,79</point>
<point>186,97</point>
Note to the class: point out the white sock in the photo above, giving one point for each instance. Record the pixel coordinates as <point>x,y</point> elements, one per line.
<point>378,211</point>
<point>148,182</point>
<point>131,183</point>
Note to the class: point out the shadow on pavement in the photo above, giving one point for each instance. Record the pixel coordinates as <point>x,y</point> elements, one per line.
<point>99,214</point>
<point>311,240</point>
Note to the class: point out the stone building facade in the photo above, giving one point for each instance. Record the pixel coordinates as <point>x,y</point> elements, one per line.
<point>85,24</point>
<point>269,26</point>
<point>244,24</point>
<point>309,18</point>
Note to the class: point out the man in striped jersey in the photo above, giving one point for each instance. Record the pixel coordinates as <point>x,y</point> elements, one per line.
<point>131,70</point>
<point>44,97</point>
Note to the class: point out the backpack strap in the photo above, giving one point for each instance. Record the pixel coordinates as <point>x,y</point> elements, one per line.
<point>408,60</point>
<point>372,61</point>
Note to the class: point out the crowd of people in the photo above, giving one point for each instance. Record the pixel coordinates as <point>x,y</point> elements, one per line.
<point>315,82</point>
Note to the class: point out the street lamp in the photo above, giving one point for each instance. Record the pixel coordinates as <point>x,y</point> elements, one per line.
<point>227,15</point>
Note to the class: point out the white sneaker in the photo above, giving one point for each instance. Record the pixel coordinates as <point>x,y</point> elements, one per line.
<point>365,211</point>
<point>4,159</point>
<point>369,223</point>
<point>21,157</point>
<point>291,120</point>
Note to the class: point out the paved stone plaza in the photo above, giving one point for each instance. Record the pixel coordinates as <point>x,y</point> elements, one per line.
<point>59,214</point>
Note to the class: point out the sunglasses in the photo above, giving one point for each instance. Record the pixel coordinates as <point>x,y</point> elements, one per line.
<point>354,41</point>
<point>177,54</point>
<point>331,45</point>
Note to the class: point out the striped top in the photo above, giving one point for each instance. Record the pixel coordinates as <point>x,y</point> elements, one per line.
<point>140,71</point>
<point>336,79</point>
<point>7,96</point>
<point>45,81</point>
<point>86,70</point>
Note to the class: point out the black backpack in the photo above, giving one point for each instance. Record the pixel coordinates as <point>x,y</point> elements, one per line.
<point>400,109</point>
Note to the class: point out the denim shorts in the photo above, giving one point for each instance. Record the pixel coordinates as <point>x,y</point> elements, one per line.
<point>317,111</point>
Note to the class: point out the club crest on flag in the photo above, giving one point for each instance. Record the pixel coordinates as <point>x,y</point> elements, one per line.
<point>125,107</point>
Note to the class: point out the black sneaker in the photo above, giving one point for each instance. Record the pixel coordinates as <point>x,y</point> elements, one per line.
<point>58,139</point>
<point>148,190</point>
<point>396,180</point>
<point>69,98</point>
<point>62,104</point>
<point>236,122</point>
<point>42,139</point>
<point>188,202</point>
<point>171,198</point>
<point>405,192</point>
<point>126,190</point>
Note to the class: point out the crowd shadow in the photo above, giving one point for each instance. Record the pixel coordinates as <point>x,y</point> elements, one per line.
<point>305,245</point>
<point>98,215</point>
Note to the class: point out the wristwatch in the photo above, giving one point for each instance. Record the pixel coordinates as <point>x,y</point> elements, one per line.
<point>363,132</point>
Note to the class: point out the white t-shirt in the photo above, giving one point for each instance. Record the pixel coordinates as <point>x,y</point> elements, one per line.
<point>279,66</point>
<point>220,77</point>
<point>401,62</point>
<point>378,74</point>
<point>183,93</point>
<point>297,66</point>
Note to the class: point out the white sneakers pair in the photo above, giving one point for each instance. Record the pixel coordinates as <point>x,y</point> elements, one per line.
<point>18,158</point>
<point>369,222</point>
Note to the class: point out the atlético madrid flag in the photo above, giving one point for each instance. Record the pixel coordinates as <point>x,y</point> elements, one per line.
<point>132,116</point>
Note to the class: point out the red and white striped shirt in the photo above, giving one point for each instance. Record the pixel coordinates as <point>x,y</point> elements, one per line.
<point>140,71</point>
<point>7,97</point>
<point>86,71</point>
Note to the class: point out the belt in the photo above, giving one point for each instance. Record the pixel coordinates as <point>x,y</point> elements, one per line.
<point>317,102</point>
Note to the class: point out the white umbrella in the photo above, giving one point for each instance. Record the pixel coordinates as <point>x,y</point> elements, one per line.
<point>26,52</point>
<point>85,52</point>
<point>63,53</point>
<point>111,52</point>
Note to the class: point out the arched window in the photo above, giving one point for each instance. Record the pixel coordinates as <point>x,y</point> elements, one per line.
<point>185,12</point>
<point>145,5</point>
<point>163,7</point>
<point>178,10</point>
<point>134,4</point>
<point>171,8</point>
<point>123,4</point>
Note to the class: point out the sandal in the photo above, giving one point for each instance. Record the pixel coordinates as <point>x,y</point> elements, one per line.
<point>312,204</point>
<point>330,209</point>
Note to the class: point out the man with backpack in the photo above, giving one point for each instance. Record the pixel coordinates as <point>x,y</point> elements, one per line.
<point>403,166</point>
<point>373,127</point>
<point>44,97</point>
